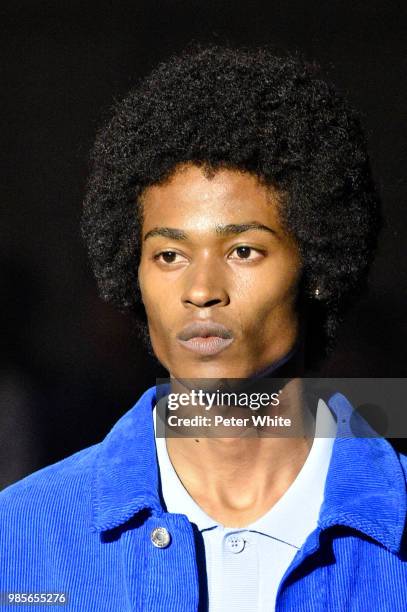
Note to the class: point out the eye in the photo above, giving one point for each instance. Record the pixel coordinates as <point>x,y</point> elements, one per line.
<point>246,253</point>
<point>169,257</point>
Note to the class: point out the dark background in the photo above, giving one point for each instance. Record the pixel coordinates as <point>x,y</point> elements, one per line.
<point>70,365</point>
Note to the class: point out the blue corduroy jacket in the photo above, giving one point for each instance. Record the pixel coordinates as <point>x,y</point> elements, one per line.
<point>83,526</point>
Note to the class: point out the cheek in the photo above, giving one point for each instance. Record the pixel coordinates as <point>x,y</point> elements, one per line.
<point>150,294</point>
<point>266,306</point>
<point>273,286</point>
<point>149,286</point>
<point>159,310</point>
<point>158,329</point>
<point>157,316</point>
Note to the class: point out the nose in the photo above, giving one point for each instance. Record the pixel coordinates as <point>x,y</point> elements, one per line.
<point>205,286</point>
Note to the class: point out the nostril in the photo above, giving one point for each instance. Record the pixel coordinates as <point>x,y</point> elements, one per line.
<point>212,303</point>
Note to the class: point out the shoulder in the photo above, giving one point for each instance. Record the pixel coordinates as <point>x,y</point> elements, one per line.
<point>46,518</point>
<point>46,494</point>
<point>68,484</point>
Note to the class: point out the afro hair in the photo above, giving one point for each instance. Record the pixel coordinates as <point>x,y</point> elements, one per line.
<point>258,112</point>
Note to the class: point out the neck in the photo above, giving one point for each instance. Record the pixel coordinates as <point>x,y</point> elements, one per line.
<point>236,480</point>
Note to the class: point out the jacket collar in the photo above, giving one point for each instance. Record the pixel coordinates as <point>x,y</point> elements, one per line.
<point>126,471</point>
<point>365,485</point>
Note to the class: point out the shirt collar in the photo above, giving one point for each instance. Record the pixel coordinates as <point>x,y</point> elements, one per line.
<point>294,516</point>
<point>176,497</point>
<point>364,490</point>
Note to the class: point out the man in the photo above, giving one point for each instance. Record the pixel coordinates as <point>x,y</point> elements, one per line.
<point>232,209</point>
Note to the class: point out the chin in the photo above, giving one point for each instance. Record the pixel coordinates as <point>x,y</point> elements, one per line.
<point>210,370</point>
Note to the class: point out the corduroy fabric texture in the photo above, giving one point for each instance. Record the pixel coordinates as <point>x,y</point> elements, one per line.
<point>83,526</point>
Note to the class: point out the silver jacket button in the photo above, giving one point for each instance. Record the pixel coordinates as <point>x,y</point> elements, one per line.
<point>160,537</point>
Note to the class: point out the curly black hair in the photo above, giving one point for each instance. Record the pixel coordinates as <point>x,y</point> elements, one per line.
<point>255,111</point>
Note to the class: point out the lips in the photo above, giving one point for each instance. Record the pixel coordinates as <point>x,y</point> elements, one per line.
<point>205,337</point>
<point>204,329</point>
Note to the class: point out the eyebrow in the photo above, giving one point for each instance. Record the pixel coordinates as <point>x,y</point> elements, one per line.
<point>222,230</point>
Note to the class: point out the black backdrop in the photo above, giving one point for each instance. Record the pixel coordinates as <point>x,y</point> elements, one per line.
<point>69,363</point>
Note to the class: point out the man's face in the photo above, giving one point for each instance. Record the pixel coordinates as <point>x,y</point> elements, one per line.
<point>218,275</point>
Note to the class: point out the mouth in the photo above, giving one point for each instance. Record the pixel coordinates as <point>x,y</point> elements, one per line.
<point>205,337</point>
<point>211,345</point>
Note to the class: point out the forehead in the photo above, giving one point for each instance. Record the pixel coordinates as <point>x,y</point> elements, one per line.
<point>195,198</point>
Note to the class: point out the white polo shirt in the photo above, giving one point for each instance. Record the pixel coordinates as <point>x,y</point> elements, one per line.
<point>245,565</point>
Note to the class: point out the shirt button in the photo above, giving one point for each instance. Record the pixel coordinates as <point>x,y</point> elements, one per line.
<point>235,544</point>
<point>160,537</point>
